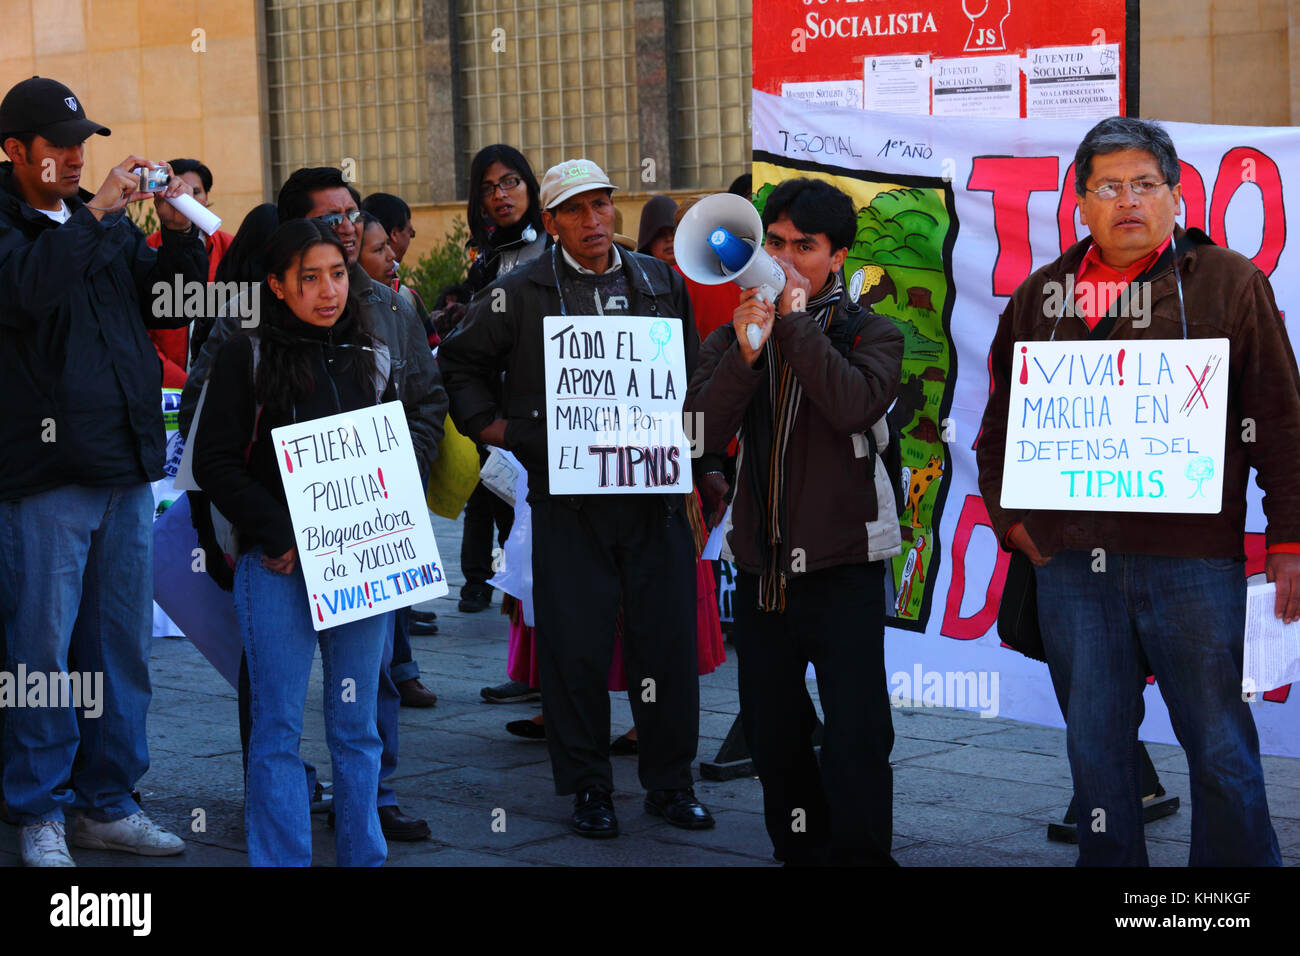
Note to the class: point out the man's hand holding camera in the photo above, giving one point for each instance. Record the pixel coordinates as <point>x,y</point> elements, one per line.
<point>122,186</point>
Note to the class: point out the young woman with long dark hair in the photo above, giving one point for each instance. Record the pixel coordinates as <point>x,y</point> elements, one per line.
<point>313,357</point>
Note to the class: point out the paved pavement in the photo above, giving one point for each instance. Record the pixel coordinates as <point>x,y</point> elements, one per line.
<point>967,790</point>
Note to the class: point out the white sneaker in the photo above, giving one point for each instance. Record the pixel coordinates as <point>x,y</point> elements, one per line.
<point>43,844</point>
<point>133,834</point>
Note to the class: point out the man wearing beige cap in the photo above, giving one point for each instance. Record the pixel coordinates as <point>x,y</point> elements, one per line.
<point>592,554</point>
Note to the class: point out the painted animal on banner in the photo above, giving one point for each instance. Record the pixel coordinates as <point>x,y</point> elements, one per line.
<point>922,478</point>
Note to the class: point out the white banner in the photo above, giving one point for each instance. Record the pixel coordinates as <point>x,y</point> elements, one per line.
<point>957,213</point>
<point>359,516</point>
<point>614,391</point>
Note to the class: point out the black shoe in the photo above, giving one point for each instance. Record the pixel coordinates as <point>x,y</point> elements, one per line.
<point>321,800</point>
<point>678,807</point>
<point>473,600</point>
<point>511,692</point>
<point>397,826</point>
<point>526,729</point>
<point>422,628</point>
<point>593,814</point>
<point>624,746</point>
<point>424,617</point>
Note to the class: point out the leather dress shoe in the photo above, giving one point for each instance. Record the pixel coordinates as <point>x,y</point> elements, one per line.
<point>526,729</point>
<point>423,628</point>
<point>398,826</point>
<point>474,600</point>
<point>624,746</point>
<point>424,617</point>
<point>415,694</point>
<point>679,807</point>
<point>593,814</point>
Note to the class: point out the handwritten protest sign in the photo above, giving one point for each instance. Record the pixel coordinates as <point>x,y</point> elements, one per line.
<point>614,392</point>
<point>1117,425</point>
<point>359,517</point>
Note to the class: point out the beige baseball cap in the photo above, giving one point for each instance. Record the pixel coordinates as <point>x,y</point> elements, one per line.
<point>569,178</point>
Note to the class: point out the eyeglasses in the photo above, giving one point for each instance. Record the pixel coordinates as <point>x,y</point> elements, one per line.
<point>507,185</point>
<point>1140,187</point>
<point>335,219</point>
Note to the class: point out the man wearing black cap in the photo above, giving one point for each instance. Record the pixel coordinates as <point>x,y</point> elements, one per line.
<point>83,437</point>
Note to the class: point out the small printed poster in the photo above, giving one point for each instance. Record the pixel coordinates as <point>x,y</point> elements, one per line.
<point>845,93</point>
<point>1079,82</point>
<point>977,86</point>
<point>897,84</point>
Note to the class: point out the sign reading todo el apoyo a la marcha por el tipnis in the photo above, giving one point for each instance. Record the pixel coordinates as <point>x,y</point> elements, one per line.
<point>614,392</point>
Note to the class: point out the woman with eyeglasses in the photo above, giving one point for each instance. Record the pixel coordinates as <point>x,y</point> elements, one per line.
<point>314,357</point>
<point>505,222</point>
<point>504,214</point>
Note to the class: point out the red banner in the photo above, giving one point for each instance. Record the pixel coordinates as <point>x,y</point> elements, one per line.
<point>828,40</point>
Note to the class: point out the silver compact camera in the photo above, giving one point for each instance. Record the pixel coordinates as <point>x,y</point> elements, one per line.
<point>153,180</point>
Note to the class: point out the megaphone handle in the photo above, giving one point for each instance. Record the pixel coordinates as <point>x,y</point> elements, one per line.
<point>754,335</point>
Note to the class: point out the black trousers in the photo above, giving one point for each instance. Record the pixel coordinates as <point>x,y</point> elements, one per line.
<point>484,512</point>
<point>841,812</point>
<point>590,554</point>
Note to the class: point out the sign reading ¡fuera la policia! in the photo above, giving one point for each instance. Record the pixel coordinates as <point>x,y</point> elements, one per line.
<point>1117,425</point>
<point>359,515</point>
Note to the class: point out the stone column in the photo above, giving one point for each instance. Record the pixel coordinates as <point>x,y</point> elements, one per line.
<point>656,118</point>
<point>444,162</point>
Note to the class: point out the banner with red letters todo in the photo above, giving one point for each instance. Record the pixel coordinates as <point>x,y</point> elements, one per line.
<point>954,213</point>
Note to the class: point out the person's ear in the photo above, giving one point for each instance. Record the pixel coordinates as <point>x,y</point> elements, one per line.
<point>1078,201</point>
<point>14,149</point>
<point>277,286</point>
<point>548,223</point>
<point>837,259</point>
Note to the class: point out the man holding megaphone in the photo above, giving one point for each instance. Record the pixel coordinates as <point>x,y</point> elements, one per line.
<point>813,517</point>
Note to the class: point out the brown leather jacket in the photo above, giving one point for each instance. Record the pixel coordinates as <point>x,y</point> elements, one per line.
<point>830,491</point>
<point>1225,295</point>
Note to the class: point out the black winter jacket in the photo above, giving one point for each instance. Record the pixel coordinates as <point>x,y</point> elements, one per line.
<point>250,492</point>
<point>79,379</point>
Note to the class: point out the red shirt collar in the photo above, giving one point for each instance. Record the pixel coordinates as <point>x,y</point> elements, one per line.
<point>1092,266</point>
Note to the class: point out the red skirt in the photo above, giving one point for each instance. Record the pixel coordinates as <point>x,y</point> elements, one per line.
<point>522,663</point>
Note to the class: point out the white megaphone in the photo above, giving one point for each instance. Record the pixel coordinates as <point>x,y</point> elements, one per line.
<point>720,239</point>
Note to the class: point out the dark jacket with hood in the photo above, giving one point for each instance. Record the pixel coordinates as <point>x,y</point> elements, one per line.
<point>79,377</point>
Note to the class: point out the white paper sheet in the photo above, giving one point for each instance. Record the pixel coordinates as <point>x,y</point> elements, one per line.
<point>1072,81</point>
<point>977,86</point>
<point>897,84</point>
<point>1272,657</point>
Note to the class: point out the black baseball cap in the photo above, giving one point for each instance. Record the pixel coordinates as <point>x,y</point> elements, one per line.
<point>48,108</point>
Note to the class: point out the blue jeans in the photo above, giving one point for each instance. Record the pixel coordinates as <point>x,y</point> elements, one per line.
<point>387,708</point>
<point>1185,616</point>
<point>404,665</point>
<point>76,577</point>
<point>280,644</point>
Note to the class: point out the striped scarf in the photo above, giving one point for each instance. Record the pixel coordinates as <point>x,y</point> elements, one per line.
<point>785,393</point>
